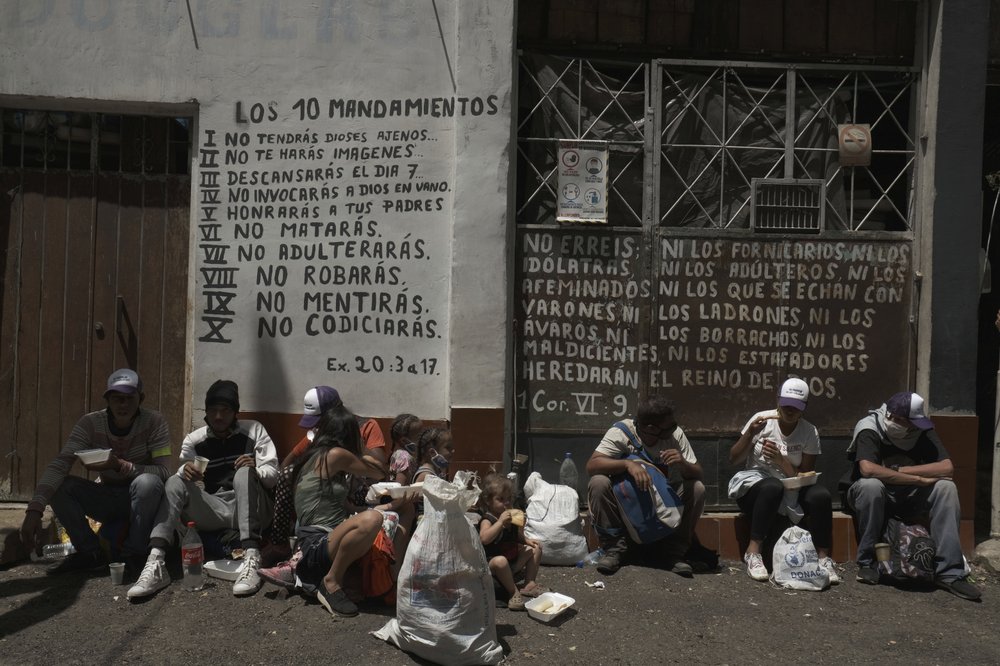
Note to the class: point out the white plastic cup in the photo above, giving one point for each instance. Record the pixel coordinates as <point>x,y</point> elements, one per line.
<point>117,572</point>
<point>201,463</point>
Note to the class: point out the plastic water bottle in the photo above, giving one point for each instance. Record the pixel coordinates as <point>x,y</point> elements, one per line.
<point>193,558</point>
<point>590,559</point>
<point>567,472</point>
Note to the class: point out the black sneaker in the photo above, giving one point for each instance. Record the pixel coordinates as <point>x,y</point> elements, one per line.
<point>960,587</point>
<point>867,575</point>
<point>78,562</point>
<point>610,562</point>
<point>336,602</point>
<point>681,568</point>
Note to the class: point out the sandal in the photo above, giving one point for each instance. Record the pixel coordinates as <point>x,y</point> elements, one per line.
<point>535,591</point>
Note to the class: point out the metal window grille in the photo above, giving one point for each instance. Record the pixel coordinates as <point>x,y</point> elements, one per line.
<point>688,138</point>
<point>787,206</point>
<point>111,143</point>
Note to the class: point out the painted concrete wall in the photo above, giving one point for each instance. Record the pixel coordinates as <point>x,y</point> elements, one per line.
<point>349,193</point>
<point>954,50</point>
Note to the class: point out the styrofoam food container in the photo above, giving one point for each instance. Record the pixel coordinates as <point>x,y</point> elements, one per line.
<point>93,456</point>
<point>224,569</point>
<point>557,601</point>
<point>412,491</point>
<point>793,482</point>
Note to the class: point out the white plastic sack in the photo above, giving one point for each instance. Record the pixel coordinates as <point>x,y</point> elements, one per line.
<point>445,606</point>
<point>553,519</point>
<point>795,563</point>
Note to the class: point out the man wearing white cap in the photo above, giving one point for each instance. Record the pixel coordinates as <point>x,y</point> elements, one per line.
<point>131,477</point>
<point>902,469</point>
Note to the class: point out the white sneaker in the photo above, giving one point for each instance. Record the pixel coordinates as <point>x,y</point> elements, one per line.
<point>249,580</point>
<point>830,568</point>
<point>755,566</point>
<point>154,577</point>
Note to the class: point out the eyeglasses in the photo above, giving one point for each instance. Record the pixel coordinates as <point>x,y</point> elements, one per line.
<point>658,432</point>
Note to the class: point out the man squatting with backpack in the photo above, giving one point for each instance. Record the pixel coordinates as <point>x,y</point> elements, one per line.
<point>901,469</point>
<point>656,430</point>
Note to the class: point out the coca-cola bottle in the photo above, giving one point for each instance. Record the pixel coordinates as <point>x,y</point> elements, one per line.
<point>193,559</point>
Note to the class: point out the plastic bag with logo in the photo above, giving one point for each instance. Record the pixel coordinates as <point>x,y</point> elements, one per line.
<point>796,563</point>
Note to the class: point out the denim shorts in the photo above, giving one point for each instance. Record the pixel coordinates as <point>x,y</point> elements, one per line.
<point>315,562</point>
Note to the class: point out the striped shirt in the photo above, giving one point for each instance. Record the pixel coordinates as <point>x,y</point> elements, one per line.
<point>146,446</point>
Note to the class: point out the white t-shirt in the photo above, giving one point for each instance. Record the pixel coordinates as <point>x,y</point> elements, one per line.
<point>804,439</point>
<point>615,444</point>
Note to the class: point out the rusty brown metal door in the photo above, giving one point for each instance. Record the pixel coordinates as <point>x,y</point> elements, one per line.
<point>94,273</point>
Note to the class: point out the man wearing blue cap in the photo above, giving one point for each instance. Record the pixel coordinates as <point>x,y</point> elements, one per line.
<point>131,477</point>
<point>901,469</point>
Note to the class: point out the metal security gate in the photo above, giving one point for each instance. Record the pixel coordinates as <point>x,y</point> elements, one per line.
<point>696,287</point>
<point>688,138</point>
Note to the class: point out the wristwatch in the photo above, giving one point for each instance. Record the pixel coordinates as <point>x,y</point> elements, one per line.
<point>894,468</point>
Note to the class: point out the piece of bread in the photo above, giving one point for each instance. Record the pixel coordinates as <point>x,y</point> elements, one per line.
<point>807,473</point>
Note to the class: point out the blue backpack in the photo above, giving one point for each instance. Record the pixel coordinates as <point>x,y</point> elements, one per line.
<point>649,515</point>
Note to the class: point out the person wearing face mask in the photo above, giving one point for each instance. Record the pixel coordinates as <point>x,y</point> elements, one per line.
<point>776,444</point>
<point>656,429</point>
<point>434,452</point>
<point>902,469</point>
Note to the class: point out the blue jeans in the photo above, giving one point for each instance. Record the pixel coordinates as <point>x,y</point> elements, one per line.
<point>137,502</point>
<point>873,501</point>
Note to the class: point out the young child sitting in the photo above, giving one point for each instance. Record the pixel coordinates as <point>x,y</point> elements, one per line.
<point>405,432</point>
<point>434,453</point>
<point>507,550</point>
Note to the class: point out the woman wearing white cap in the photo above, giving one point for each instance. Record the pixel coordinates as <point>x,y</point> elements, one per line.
<point>779,443</point>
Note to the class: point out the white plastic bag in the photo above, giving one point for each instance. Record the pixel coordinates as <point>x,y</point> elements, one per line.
<point>795,563</point>
<point>553,519</point>
<point>445,606</point>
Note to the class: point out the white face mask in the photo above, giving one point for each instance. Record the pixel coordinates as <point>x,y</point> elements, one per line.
<point>896,431</point>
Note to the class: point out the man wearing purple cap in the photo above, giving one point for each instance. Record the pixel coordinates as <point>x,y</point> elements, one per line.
<point>902,469</point>
<point>131,477</point>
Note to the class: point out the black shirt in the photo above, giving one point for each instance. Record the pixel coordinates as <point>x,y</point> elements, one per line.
<point>874,448</point>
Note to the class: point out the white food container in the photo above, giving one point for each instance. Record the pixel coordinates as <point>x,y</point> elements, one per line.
<point>412,491</point>
<point>93,456</point>
<point>793,482</point>
<point>560,604</point>
<point>224,569</point>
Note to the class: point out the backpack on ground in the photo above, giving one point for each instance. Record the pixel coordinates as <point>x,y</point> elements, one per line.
<point>913,552</point>
<point>649,515</point>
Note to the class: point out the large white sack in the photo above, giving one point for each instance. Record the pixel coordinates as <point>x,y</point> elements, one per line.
<point>445,605</point>
<point>553,519</point>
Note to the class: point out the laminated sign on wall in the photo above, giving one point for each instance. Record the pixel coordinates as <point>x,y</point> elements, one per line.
<point>583,182</point>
